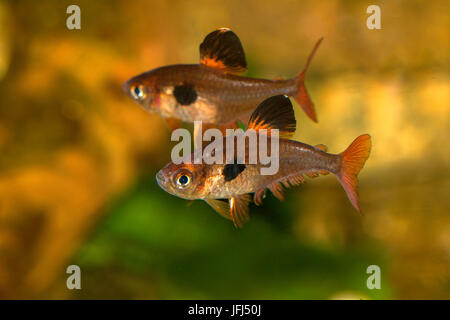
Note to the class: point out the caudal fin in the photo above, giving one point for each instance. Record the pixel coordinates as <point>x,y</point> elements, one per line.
<point>353,159</point>
<point>302,96</point>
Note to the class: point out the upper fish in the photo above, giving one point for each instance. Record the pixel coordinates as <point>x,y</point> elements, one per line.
<point>213,91</point>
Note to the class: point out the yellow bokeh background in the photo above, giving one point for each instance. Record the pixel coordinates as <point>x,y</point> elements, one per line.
<point>71,141</point>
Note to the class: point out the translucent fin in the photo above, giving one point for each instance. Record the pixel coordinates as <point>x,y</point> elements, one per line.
<point>221,207</point>
<point>259,196</point>
<point>353,160</point>
<point>302,96</point>
<point>278,191</point>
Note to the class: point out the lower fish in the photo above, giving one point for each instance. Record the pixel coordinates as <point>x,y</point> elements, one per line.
<point>228,187</point>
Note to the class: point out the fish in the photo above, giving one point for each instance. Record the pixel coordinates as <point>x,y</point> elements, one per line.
<point>229,188</point>
<point>213,91</point>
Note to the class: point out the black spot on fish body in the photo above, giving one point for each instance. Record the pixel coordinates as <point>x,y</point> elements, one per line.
<point>232,170</point>
<point>185,94</point>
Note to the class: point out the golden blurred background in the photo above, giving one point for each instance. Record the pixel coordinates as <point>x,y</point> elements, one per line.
<point>78,157</point>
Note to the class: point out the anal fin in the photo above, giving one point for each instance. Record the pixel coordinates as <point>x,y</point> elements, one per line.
<point>259,196</point>
<point>293,180</point>
<point>278,187</point>
<point>277,190</point>
<point>316,173</point>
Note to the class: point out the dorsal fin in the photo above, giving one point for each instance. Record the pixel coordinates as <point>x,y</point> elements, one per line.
<point>274,113</point>
<point>222,49</point>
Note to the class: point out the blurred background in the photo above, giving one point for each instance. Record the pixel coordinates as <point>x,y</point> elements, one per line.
<point>78,158</point>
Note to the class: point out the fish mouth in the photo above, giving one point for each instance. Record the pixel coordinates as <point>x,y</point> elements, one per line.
<point>145,103</point>
<point>126,88</point>
<point>163,182</point>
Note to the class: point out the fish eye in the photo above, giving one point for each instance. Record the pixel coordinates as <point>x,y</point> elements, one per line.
<point>183,179</point>
<point>138,92</point>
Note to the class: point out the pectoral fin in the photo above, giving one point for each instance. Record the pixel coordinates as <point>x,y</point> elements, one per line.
<point>236,209</point>
<point>221,207</point>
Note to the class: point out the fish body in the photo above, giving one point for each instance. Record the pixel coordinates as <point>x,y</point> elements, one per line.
<point>295,159</point>
<point>235,181</point>
<point>213,91</point>
<point>207,94</point>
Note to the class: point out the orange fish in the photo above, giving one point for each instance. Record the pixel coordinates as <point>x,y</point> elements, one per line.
<point>237,180</point>
<point>213,91</point>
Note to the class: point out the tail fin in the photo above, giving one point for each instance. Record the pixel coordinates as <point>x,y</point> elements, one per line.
<point>302,96</point>
<point>353,159</point>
